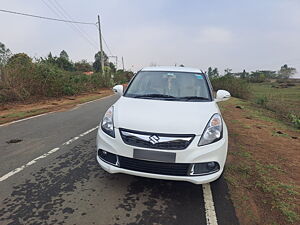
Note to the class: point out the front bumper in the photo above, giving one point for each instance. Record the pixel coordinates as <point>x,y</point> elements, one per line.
<point>215,152</point>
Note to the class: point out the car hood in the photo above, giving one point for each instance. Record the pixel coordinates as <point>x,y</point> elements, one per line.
<point>158,116</point>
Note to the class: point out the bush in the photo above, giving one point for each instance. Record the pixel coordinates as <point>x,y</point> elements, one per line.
<point>261,100</point>
<point>22,79</point>
<point>276,104</point>
<point>99,80</point>
<point>122,77</point>
<point>50,80</point>
<point>237,87</point>
<point>295,120</point>
<point>17,78</point>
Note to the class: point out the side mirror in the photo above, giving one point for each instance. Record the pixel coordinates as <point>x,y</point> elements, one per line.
<point>222,95</point>
<point>118,89</point>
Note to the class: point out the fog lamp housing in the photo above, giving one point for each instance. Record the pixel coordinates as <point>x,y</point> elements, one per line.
<point>108,157</point>
<point>200,169</point>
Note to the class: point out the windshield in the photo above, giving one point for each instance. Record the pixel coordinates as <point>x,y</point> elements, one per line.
<point>172,86</point>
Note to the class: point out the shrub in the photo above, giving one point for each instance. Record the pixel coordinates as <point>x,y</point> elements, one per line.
<point>17,78</point>
<point>21,79</point>
<point>122,77</point>
<point>261,100</point>
<point>50,80</point>
<point>237,87</point>
<point>99,80</point>
<point>276,104</point>
<point>295,120</point>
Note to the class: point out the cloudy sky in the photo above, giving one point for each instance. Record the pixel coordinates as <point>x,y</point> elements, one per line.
<point>236,34</point>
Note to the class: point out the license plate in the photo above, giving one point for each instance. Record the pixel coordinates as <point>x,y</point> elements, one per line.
<point>169,157</point>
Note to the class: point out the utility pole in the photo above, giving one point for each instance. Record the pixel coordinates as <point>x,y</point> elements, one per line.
<point>123,63</point>
<point>101,48</point>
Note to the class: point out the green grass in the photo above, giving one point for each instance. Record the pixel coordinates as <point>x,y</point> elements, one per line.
<point>277,190</point>
<point>290,95</point>
<point>90,98</point>
<point>267,183</point>
<point>246,126</point>
<point>254,111</point>
<point>274,133</point>
<point>24,113</point>
<point>250,173</point>
<point>284,102</point>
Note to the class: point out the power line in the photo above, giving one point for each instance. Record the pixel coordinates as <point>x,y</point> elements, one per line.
<point>68,16</point>
<point>59,20</point>
<point>107,45</point>
<point>46,18</point>
<point>57,12</point>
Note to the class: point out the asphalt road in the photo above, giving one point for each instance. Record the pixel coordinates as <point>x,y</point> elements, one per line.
<point>50,176</point>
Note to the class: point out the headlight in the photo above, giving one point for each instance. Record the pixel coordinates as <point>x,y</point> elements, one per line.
<point>213,131</point>
<point>107,124</point>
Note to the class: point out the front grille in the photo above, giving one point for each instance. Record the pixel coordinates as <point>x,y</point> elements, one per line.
<point>160,141</point>
<point>173,169</point>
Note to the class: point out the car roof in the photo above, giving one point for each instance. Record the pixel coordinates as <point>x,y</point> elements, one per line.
<point>172,69</point>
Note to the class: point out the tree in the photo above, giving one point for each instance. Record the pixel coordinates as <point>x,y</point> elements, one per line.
<point>209,72</point>
<point>49,59</point>
<point>215,73</point>
<point>5,54</point>
<point>64,64</point>
<point>244,74</point>
<point>212,73</point>
<point>270,74</point>
<point>83,66</point>
<point>112,67</point>
<point>228,72</point>
<point>64,55</point>
<point>19,60</point>
<point>257,76</point>
<point>286,72</point>
<point>97,62</point>
<point>62,61</point>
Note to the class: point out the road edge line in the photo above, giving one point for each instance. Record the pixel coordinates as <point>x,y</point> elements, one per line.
<point>19,169</point>
<point>43,114</point>
<point>210,213</point>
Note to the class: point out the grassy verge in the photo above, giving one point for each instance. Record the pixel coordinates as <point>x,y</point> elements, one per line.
<point>16,111</point>
<point>262,168</point>
<point>284,101</point>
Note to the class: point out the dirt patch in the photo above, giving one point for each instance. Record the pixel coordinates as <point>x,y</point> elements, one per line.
<point>263,170</point>
<point>14,111</point>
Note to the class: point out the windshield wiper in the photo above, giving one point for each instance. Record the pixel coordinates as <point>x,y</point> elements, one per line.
<point>154,96</point>
<point>192,98</point>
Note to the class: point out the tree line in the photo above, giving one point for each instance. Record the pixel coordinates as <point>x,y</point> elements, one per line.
<point>24,78</point>
<point>284,72</point>
<point>62,61</point>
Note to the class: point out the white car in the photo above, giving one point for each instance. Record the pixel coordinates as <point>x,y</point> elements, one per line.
<point>166,125</point>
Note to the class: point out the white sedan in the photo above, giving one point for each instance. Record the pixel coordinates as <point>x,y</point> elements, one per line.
<point>166,125</point>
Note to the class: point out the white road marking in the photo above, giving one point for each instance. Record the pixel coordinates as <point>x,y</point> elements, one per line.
<point>19,169</point>
<point>80,135</point>
<point>211,218</point>
<point>93,100</point>
<point>28,118</point>
<point>43,114</point>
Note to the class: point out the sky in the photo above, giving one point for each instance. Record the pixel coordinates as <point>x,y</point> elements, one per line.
<point>236,34</point>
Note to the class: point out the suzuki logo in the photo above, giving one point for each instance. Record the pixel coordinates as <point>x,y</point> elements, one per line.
<point>154,139</point>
